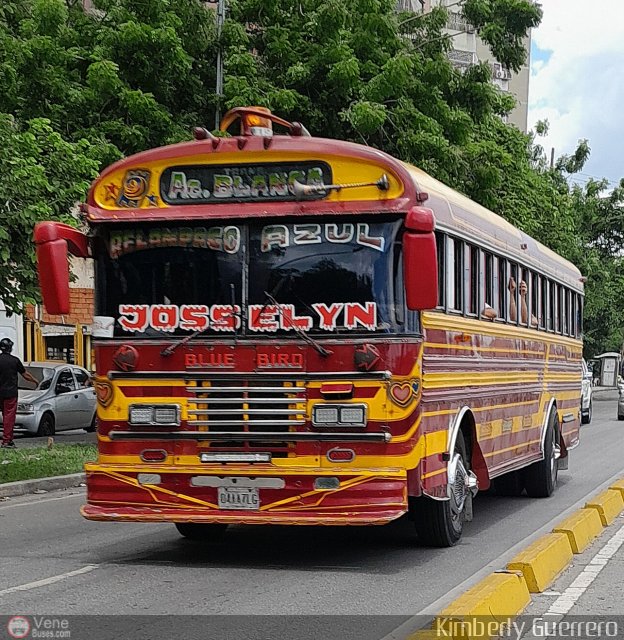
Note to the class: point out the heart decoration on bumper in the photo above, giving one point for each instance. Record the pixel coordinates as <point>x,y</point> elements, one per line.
<point>404,392</point>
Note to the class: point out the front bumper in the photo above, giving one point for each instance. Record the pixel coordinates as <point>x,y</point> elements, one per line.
<point>25,423</point>
<point>362,497</point>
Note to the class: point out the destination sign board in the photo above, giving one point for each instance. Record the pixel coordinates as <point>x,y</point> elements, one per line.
<point>267,182</point>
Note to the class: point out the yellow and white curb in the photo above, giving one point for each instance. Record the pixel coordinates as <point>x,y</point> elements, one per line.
<point>495,601</point>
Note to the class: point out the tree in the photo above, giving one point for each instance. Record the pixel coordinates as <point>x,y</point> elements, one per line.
<point>41,178</point>
<point>134,74</point>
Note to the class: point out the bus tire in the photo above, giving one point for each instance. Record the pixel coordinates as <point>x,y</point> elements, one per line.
<point>208,532</point>
<point>509,484</point>
<point>440,523</point>
<point>540,478</point>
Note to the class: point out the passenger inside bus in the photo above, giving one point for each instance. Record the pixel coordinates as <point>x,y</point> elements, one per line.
<point>524,310</point>
<point>489,313</point>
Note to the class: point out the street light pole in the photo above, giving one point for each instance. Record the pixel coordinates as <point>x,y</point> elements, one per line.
<point>219,83</point>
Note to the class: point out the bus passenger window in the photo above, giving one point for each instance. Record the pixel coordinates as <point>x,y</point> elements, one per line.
<point>559,309</point>
<point>455,274</point>
<point>459,275</point>
<point>502,288</point>
<point>441,245</point>
<point>472,279</point>
<point>542,316</point>
<point>535,300</point>
<point>512,286</point>
<point>579,321</point>
<point>488,307</point>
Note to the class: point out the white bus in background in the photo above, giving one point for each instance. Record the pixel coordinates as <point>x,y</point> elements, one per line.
<point>12,327</point>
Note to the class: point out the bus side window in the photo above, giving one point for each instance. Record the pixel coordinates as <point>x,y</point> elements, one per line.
<point>573,315</point>
<point>535,310</point>
<point>486,288</point>
<point>568,312</point>
<point>551,305</point>
<point>455,274</point>
<point>502,288</point>
<point>441,246</point>
<point>471,281</point>
<point>579,322</point>
<point>559,309</point>
<point>513,285</point>
<point>543,315</point>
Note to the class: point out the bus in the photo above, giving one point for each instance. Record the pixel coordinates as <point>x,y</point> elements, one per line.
<point>298,330</point>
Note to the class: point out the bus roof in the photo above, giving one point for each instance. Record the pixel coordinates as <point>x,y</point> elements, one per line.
<point>457,214</point>
<point>137,189</point>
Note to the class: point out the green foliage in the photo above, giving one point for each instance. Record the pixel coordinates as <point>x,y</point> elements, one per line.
<point>134,74</point>
<point>35,163</point>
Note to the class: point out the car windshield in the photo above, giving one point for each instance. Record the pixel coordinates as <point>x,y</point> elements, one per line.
<point>43,375</point>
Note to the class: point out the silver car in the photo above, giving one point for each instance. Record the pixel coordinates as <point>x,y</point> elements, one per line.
<point>63,398</point>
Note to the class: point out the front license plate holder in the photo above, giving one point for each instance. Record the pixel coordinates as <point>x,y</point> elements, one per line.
<point>238,498</point>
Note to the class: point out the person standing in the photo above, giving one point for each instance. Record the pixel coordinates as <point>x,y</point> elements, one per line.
<point>10,367</point>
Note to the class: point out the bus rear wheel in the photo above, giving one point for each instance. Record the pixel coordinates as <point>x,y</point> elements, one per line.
<point>540,478</point>
<point>440,523</point>
<point>200,531</point>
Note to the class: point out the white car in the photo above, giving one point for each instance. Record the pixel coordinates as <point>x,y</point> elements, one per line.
<point>63,398</point>
<point>586,395</point>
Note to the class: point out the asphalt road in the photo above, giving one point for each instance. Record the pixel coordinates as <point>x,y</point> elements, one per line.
<point>54,562</point>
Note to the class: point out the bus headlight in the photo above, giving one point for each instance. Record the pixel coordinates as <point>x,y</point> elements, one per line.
<point>339,415</point>
<point>160,414</point>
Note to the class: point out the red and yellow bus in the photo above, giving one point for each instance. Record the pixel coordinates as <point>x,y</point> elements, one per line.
<point>296,330</point>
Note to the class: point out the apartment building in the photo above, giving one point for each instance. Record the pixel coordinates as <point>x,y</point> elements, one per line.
<point>468,49</point>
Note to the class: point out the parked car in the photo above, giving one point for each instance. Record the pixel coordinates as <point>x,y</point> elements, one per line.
<point>586,395</point>
<point>63,398</point>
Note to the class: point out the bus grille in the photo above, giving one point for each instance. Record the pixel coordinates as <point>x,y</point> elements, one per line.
<point>273,406</point>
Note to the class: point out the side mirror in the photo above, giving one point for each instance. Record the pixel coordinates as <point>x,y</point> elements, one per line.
<point>52,240</point>
<point>61,388</point>
<point>420,260</point>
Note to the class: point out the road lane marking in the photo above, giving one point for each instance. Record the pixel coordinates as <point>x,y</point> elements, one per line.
<point>27,504</point>
<point>581,583</point>
<point>51,580</point>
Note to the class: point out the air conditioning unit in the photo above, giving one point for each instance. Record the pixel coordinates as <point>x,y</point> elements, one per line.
<point>500,73</point>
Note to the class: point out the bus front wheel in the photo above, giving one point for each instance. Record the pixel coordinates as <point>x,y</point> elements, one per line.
<point>440,523</point>
<point>200,531</point>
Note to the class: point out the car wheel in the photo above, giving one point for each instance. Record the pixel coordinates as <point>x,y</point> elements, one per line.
<point>46,425</point>
<point>620,416</point>
<point>199,531</point>
<point>586,416</point>
<point>93,426</point>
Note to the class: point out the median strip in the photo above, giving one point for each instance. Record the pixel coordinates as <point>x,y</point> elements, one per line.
<point>483,610</point>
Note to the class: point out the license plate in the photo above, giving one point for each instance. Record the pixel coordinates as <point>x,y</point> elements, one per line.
<point>246,499</point>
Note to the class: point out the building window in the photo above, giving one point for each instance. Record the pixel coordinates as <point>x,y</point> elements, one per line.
<point>60,348</point>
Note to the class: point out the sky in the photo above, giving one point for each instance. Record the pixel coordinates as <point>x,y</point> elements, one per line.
<point>577,82</point>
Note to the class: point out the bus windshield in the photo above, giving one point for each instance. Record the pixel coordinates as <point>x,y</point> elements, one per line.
<point>252,279</point>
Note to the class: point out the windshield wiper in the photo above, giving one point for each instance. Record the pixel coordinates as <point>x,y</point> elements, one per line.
<point>300,332</point>
<point>168,350</point>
